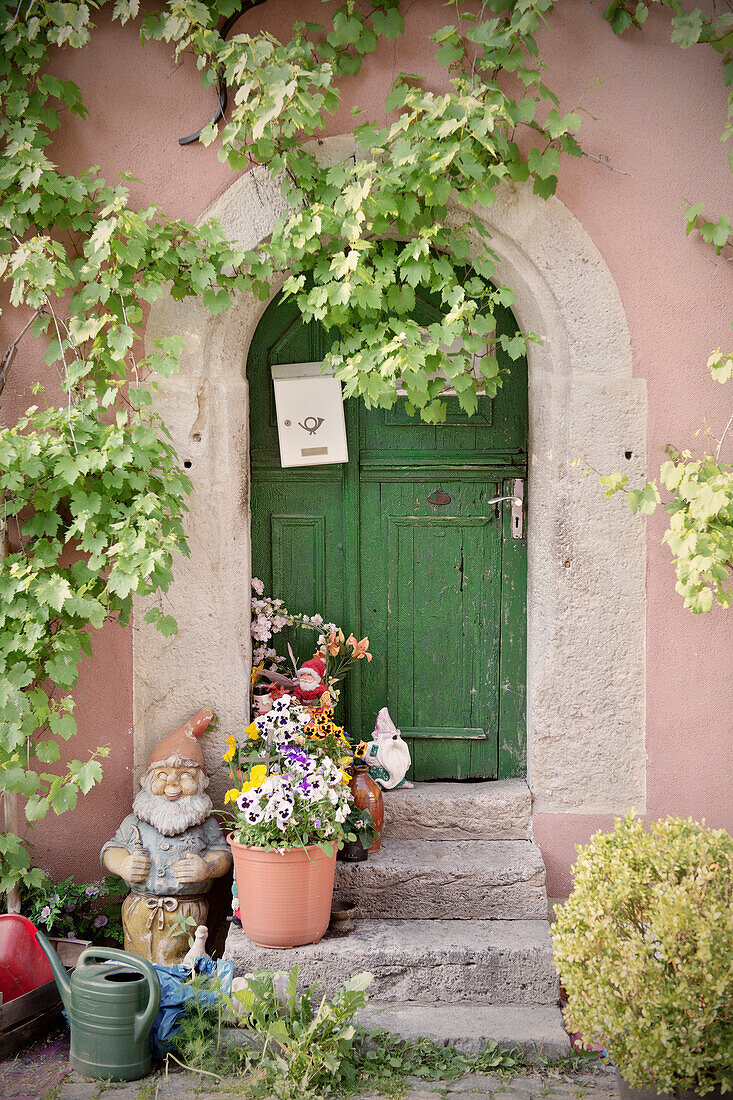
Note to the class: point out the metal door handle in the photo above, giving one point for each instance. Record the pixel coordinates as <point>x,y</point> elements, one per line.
<point>517,499</point>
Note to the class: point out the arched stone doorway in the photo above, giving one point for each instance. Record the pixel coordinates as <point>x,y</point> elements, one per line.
<point>586,556</point>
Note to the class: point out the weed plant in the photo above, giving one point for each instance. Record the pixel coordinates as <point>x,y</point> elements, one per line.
<point>292,1046</point>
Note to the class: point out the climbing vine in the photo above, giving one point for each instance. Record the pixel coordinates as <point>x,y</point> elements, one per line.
<point>93,493</point>
<point>699,487</point>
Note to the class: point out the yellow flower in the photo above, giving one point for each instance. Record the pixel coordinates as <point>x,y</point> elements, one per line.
<point>252,732</point>
<point>231,749</point>
<point>344,763</point>
<point>232,795</point>
<point>256,776</point>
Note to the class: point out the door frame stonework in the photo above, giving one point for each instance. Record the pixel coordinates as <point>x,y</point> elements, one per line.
<point>586,556</point>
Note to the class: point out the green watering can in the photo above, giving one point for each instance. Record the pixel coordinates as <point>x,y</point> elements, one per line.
<point>111,1011</point>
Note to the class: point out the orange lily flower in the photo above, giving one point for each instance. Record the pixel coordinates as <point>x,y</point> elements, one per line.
<point>361,649</point>
<point>335,642</point>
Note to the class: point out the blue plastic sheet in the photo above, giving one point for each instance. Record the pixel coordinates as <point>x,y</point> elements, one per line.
<point>176,990</point>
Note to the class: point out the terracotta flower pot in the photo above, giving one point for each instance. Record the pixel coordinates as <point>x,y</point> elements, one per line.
<point>284,897</point>
<point>368,796</point>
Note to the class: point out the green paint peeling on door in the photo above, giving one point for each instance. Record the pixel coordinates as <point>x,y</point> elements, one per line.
<point>401,545</point>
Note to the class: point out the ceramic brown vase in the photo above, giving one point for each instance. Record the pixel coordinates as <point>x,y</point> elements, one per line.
<point>368,796</point>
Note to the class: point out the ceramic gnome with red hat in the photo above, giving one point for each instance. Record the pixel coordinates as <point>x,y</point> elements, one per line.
<point>310,686</point>
<point>169,849</point>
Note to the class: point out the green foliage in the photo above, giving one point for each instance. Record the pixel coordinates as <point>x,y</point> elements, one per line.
<point>359,825</point>
<point>388,1060</point>
<point>184,926</point>
<point>307,1048</point>
<point>363,235</point>
<point>700,530</point>
<point>76,909</point>
<point>644,946</point>
<point>705,26</point>
<point>93,495</point>
<point>301,1046</point>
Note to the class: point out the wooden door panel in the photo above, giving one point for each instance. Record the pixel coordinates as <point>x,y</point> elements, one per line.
<point>299,559</point>
<point>431,603</point>
<point>297,549</point>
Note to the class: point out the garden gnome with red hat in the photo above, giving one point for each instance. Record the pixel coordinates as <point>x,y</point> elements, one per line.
<point>169,849</point>
<point>310,687</point>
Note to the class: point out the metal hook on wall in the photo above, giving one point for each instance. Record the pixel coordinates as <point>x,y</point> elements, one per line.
<point>222,87</point>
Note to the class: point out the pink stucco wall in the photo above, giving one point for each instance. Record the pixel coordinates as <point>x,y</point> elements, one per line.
<point>658,114</point>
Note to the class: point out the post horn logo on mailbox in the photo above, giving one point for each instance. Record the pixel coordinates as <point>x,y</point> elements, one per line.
<point>311,424</point>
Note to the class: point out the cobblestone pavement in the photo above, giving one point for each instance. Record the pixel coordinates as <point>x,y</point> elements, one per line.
<point>599,1085</point>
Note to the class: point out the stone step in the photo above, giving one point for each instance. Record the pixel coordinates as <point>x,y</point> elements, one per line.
<point>422,961</point>
<point>500,810</point>
<point>465,880</point>
<point>536,1029</point>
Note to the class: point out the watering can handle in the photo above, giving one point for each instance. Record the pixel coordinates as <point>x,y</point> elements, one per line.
<point>144,1019</point>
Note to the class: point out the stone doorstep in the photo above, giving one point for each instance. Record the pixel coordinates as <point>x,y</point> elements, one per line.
<point>421,961</point>
<point>496,810</point>
<point>536,1029</point>
<point>411,879</point>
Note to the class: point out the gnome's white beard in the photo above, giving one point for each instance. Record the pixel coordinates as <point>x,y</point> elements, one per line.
<point>171,818</point>
<point>394,755</point>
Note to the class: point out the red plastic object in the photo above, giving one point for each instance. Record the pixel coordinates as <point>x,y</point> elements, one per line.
<point>23,965</point>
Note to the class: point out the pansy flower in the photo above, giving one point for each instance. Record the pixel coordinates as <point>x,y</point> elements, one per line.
<point>256,777</point>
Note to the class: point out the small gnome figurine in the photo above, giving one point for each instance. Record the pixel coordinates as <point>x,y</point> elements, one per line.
<point>170,848</point>
<point>263,696</point>
<point>310,687</point>
<point>387,756</point>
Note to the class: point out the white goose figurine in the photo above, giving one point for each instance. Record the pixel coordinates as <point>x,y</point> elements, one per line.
<point>198,948</point>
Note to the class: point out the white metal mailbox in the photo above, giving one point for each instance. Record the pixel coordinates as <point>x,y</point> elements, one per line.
<point>310,415</point>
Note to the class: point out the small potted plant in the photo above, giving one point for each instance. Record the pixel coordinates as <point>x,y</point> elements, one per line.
<point>289,814</point>
<point>75,915</point>
<point>360,835</point>
<point>644,947</point>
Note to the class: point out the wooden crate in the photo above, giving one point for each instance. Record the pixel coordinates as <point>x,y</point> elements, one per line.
<point>25,1018</point>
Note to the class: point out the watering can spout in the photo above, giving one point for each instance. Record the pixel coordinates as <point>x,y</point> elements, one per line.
<point>58,968</point>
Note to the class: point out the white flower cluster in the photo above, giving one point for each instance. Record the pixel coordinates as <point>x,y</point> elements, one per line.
<point>302,796</point>
<point>287,719</point>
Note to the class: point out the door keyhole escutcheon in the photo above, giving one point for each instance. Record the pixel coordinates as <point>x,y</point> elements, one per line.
<point>440,498</point>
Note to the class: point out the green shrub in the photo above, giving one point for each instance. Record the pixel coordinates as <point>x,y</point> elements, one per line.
<point>644,947</point>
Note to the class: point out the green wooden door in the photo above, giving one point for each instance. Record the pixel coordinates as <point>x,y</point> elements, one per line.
<point>439,588</point>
